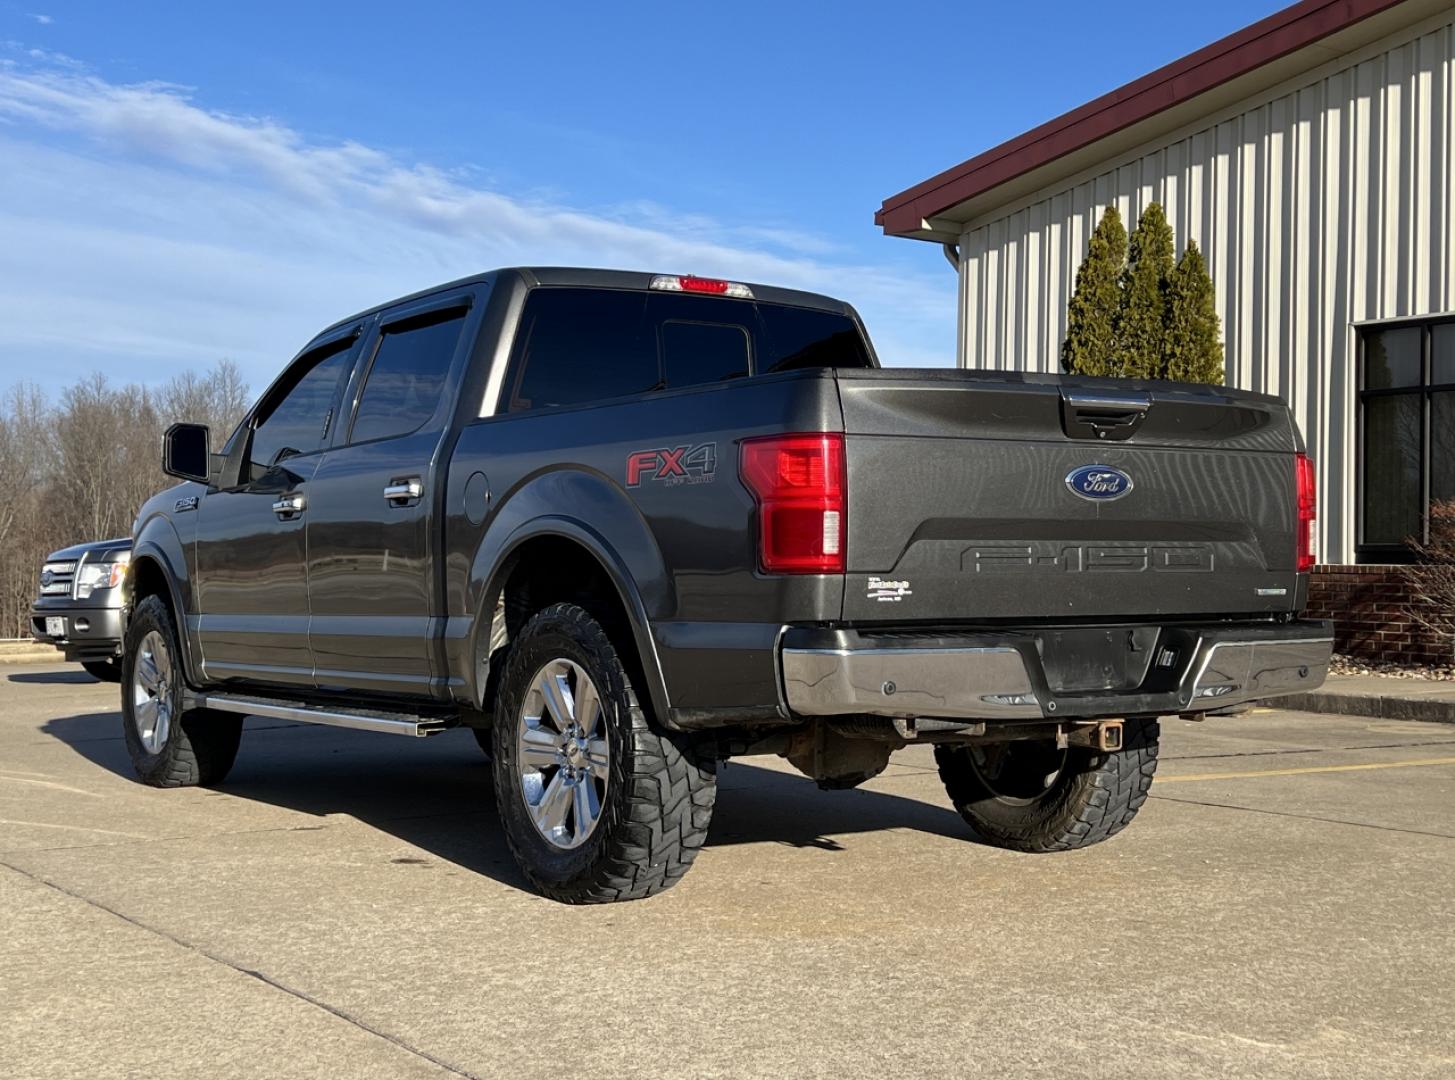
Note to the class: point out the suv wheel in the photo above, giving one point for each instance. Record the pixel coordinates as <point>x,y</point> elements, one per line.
<point>596,803</point>
<point>169,746</point>
<point>1032,796</point>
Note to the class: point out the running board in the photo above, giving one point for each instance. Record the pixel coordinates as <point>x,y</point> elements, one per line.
<point>361,720</point>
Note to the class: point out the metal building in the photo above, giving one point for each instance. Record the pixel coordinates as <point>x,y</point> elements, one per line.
<point>1312,157</point>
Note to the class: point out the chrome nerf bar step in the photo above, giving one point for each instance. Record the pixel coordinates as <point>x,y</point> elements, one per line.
<point>359,719</point>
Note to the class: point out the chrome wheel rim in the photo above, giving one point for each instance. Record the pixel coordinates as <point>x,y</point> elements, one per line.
<point>562,754</point>
<point>151,692</point>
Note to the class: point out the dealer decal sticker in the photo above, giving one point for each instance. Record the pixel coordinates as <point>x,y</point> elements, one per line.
<point>886,591</point>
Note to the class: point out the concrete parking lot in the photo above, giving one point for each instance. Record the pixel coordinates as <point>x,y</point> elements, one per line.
<point>344,907</point>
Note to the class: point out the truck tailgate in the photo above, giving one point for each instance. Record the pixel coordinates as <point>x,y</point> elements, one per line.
<point>961,502</point>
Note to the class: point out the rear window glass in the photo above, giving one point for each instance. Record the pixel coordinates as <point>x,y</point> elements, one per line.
<point>576,346</point>
<point>580,345</point>
<point>802,338</point>
<point>696,352</point>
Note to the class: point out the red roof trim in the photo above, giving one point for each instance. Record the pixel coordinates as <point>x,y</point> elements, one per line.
<point>1238,54</point>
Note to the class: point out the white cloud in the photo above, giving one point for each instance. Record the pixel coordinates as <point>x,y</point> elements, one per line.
<point>145,231</point>
<point>44,20</point>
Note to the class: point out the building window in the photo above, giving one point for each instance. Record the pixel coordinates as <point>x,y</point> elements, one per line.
<point>1406,432</point>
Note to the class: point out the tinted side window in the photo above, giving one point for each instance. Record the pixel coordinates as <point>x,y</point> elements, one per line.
<point>802,338</point>
<point>407,378</point>
<point>582,345</point>
<point>300,422</point>
<point>695,352</point>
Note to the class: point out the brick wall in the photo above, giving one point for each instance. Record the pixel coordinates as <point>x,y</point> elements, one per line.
<point>1369,606</point>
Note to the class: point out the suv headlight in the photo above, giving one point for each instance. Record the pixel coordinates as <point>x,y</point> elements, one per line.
<point>101,575</point>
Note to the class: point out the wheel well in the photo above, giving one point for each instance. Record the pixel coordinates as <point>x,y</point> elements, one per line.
<point>553,569</point>
<point>148,579</point>
<point>550,570</point>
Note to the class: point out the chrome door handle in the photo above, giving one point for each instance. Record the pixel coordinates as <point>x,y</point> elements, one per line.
<point>289,505</point>
<point>404,492</point>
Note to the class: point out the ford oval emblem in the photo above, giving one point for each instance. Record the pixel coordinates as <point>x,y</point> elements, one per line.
<point>46,577</point>
<point>1098,482</point>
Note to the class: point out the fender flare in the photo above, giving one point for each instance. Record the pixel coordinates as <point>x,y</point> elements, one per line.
<point>156,540</point>
<point>626,550</point>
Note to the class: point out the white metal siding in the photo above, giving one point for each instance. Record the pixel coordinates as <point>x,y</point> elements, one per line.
<point>1318,206</point>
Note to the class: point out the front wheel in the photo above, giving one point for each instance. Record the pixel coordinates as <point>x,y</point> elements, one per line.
<point>1031,796</point>
<point>597,804</point>
<point>170,746</point>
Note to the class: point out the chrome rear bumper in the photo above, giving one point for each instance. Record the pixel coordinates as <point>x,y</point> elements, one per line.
<point>1001,676</point>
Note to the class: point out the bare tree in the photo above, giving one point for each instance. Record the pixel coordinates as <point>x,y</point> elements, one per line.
<point>79,470</point>
<point>26,448</point>
<point>217,399</point>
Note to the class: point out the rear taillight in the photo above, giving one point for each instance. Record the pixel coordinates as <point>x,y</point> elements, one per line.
<point>1307,494</point>
<point>798,481</point>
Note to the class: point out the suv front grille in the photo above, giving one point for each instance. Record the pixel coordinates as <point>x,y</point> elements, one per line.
<point>56,578</point>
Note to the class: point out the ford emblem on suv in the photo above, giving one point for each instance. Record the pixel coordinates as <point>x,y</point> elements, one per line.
<point>1098,482</point>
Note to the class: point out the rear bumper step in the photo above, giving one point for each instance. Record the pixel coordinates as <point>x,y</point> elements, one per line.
<point>300,712</point>
<point>1004,675</point>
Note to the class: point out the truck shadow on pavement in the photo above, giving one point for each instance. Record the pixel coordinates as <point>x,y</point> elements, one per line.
<point>436,794</point>
<point>76,677</point>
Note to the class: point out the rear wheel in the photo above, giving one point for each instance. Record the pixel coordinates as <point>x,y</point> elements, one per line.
<point>597,804</point>
<point>105,670</point>
<point>170,746</point>
<point>1033,796</point>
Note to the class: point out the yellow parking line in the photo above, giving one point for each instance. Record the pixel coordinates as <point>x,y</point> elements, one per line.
<point>1310,769</point>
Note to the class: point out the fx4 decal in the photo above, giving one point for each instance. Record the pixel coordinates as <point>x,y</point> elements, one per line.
<point>673,465</point>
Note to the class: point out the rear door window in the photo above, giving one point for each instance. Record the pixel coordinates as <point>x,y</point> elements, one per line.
<point>407,378</point>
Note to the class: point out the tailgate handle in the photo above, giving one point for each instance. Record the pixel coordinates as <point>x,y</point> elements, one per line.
<point>1104,415</point>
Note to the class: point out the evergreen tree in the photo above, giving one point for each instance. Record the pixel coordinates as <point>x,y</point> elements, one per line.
<point>1090,346</point>
<point>1194,334</point>
<point>1142,321</point>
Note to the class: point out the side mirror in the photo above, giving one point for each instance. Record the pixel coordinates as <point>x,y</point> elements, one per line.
<point>185,453</point>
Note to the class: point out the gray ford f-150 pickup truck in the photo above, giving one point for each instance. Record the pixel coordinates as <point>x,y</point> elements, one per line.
<point>78,605</point>
<point>629,526</point>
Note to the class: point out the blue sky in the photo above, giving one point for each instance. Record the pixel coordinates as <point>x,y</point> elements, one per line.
<point>184,182</point>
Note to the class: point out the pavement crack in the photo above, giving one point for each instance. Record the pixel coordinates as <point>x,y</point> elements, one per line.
<point>261,976</point>
<point>1306,750</point>
<point>1304,817</point>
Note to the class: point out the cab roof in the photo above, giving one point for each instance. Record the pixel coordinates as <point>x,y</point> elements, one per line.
<point>591,278</point>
